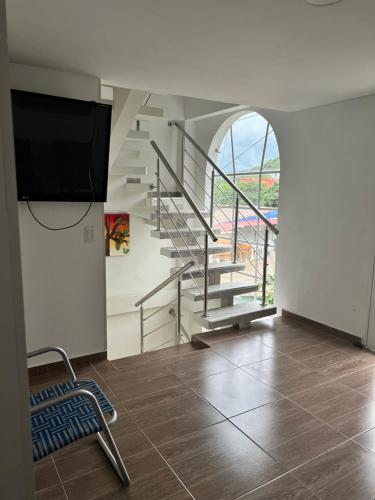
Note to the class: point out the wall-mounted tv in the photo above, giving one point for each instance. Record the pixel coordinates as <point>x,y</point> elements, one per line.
<point>61,147</point>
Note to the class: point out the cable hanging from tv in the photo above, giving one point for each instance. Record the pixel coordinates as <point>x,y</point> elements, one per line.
<point>59,228</point>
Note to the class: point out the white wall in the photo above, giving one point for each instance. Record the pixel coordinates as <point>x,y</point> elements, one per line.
<point>326,245</point>
<point>63,277</point>
<point>16,471</point>
<point>327,206</point>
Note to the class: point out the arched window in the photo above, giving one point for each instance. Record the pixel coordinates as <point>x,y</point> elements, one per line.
<point>249,156</point>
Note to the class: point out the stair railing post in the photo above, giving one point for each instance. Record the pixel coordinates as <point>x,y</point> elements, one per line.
<point>212,197</point>
<point>265,264</point>
<point>178,324</point>
<point>235,231</point>
<point>158,214</point>
<point>205,297</point>
<point>142,328</point>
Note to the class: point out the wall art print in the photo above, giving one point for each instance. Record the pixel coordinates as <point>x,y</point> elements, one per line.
<point>116,234</point>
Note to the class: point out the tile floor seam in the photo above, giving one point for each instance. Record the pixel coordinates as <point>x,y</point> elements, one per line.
<point>204,399</point>
<point>103,380</point>
<point>302,464</point>
<point>237,414</point>
<point>203,376</point>
<point>277,390</point>
<point>252,440</point>
<point>310,490</point>
<point>356,469</point>
<point>168,466</point>
<point>258,488</point>
<point>58,475</point>
<point>318,418</point>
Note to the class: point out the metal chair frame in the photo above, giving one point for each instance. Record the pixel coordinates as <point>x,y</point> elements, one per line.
<point>108,444</point>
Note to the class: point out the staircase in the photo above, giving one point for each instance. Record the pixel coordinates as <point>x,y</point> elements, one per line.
<point>187,234</point>
<point>223,285</point>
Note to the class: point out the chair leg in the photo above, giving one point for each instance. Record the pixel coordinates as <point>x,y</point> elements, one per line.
<point>114,457</point>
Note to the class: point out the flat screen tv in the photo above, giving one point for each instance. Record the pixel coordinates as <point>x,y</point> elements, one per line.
<point>61,148</point>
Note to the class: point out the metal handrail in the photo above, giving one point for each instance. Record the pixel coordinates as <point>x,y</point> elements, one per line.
<point>165,283</point>
<point>269,224</point>
<point>183,190</point>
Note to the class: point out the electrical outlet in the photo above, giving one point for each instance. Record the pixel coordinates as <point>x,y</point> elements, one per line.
<point>89,234</point>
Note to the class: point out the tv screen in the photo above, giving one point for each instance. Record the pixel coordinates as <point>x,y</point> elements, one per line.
<point>61,148</point>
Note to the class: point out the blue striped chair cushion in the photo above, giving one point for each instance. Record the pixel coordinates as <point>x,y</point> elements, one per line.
<point>62,423</point>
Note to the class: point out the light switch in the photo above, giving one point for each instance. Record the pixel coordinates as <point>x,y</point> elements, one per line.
<point>89,234</point>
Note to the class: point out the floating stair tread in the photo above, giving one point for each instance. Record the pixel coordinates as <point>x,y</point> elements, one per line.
<point>165,194</point>
<point>231,315</point>
<point>149,112</point>
<point>125,171</point>
<point>174,253</point>
<point>218,268</point>
<point>137,186</point>
<point>217,291</point>
<point>175,215</point>
<point>138,135</point>
<point>165,235</point>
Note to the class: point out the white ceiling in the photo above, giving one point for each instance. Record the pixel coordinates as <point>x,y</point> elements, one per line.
<point>281,54</point>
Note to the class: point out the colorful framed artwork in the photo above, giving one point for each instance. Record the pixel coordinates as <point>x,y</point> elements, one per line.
<point>116,234</point>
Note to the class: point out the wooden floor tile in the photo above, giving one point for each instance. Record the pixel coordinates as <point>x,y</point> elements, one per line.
<point>219,462</point>
<point>169,421</point>
<point>52,493</point>
<point>202,364</point>
<point>244,350</point>
<point>234,392</point>
<point>285,488</point>
<point>320,473</point>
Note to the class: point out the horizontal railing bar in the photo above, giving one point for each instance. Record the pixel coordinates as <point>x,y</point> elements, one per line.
<point>231,183</point>
<point>165,283</point>
<point>183,190</point>
<point>216,186</point>
<point>160,309</point>
<point>158,328</point>
<point>257,172</point>
<point>161,345</point>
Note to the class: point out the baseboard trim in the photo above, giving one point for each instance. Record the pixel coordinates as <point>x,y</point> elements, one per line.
<point>329,329</point>
<point>58,366</point>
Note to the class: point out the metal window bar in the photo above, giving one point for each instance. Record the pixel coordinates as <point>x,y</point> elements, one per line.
<point>225,177</point>
<point>218,187</point>
<point>247,149</point>
<point>230,237</point>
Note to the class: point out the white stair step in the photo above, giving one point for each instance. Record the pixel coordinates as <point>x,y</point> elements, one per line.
<point>218,291</point>
<point>138,135</point>
<point>165,194</point>
<point>128,154</point>
<point>149,113</point>
<point>174,253</point>
<point>174,233</point>
<point>213,269</point>
<point>233,315</point>
<point>175,216</point>
<point>138,186</point>
<point>125,171</point>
